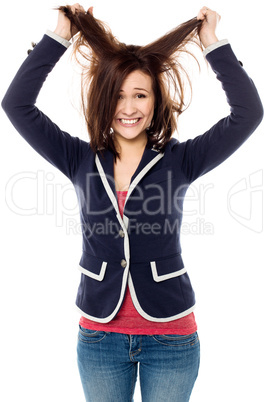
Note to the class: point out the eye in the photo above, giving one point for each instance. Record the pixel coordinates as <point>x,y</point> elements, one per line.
<point>141,96</point>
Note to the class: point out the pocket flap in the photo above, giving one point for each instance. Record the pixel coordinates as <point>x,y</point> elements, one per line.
<point>93,267</point>
<point>167,268</point>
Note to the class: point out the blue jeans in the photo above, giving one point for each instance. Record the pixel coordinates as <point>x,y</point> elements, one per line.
<point>108,363</point>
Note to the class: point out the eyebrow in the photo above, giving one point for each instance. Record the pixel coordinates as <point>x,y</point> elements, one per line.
<point>139,89</point>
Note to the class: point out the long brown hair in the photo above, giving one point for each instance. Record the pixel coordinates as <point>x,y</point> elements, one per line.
<point>107,62</point>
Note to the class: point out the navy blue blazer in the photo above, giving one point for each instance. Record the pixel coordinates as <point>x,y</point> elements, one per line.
<point>142,250</point>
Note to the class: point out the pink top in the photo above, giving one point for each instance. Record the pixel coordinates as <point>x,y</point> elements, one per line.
<point>129,321</point>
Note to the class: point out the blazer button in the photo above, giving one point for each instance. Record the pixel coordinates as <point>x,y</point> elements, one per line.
<point>121,233</point>
<point>123,263</point>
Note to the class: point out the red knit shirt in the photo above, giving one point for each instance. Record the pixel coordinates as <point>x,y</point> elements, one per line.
<point>129,321</point>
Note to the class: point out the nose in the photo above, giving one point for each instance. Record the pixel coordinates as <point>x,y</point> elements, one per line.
<point>128,107</point>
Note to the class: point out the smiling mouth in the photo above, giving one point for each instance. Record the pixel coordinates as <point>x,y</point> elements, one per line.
<point>129,122</point>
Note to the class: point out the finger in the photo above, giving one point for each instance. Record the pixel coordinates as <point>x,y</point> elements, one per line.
<point>77,7</point>
<point>203,13</point>
<point>90,10</point>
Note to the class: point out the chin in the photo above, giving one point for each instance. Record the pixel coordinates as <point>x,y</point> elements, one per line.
<point>130,136</point>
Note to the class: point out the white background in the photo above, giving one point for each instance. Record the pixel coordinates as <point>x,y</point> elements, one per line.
<point>225,225</point>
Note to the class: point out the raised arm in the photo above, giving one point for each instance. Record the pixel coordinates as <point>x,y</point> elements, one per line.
<point>58,147</point>
<point>205,152</point>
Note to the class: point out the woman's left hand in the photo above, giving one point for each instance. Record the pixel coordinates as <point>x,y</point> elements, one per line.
<point>210,19</point>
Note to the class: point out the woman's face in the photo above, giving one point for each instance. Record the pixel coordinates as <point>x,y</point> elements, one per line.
<point>135,107</point>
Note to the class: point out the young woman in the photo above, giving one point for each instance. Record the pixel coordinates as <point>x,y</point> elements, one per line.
<point>135,296</point>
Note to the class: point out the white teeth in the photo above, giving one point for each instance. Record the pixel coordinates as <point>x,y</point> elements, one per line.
<point>129,121</point>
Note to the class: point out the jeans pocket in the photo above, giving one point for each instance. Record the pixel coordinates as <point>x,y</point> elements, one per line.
<point>90,336</point>
<point>177,340</point>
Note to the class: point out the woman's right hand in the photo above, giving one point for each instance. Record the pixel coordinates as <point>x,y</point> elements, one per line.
<point>64,27</point>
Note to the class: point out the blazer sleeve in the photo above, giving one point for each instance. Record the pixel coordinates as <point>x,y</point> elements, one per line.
<point>208,150</point>
<point>56,146</point>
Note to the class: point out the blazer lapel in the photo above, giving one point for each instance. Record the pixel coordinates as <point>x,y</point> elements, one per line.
<point>149,158</point>
<point>105,166</point>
